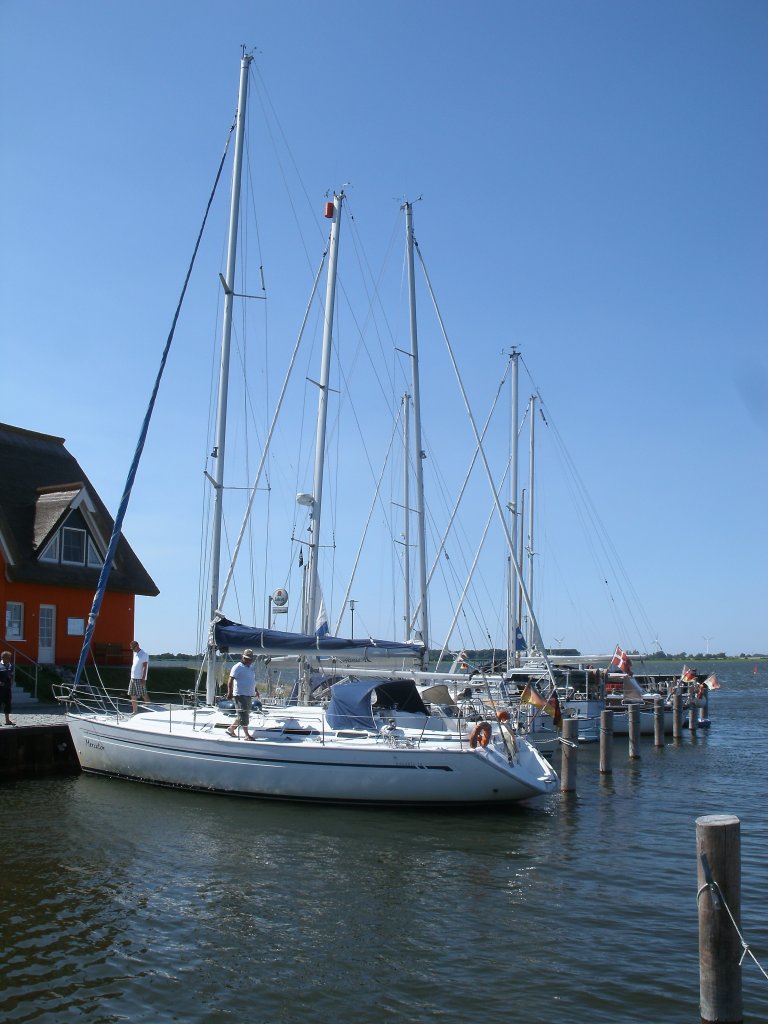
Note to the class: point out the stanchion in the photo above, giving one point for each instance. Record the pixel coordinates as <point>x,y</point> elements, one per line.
<point>718,849</point>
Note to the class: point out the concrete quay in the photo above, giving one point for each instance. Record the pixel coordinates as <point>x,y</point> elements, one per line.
<point>38,744</point>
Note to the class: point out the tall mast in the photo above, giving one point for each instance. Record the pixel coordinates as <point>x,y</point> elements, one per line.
<point>406,518</point>
<point>511,578</point>
<point>531,624</point>
<point>419,452</point>
<point>311,606</point>
<point>226,334</point>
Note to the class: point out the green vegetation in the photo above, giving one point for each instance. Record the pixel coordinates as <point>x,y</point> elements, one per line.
<point>482,657</point>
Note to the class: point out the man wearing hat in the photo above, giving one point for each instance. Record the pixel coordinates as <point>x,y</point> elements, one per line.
<point>242,686</point>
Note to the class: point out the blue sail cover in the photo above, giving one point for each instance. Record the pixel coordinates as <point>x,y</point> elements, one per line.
<point>351,704</point>
<point>272,642</point>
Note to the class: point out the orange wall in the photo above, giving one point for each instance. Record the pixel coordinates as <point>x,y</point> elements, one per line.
<point>114,625</point>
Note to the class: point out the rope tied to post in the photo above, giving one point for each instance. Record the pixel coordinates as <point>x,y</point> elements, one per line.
<point>718,902</point>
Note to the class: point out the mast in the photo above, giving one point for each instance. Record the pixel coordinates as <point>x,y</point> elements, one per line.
<point>519,623</point>
<point>226,334</point>
<point>310,610</point>
<point>419,451</point>
<point>531,627</point>
<point>406,518</point>
<point>511,579</point>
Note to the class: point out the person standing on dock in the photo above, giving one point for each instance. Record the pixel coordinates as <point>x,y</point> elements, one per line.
<point>137,688</point>
<point>242,686</point>
<point>6,685</point>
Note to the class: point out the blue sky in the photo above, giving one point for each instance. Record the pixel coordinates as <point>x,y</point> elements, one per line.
<point>593,191</point>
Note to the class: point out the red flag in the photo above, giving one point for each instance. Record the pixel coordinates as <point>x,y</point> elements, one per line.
<point>711,682</point>
<point>687,675</point>
<point>621,661</point>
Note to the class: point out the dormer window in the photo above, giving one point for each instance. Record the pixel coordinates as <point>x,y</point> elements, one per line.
<point>51,553</point>
<point>94,558</point>
<point>73,543</point>
<point>72,546</point>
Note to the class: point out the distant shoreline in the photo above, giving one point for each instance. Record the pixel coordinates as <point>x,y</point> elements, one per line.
<point>193,660</point>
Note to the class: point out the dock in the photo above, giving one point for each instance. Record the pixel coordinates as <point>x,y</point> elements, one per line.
<point>39,744</point>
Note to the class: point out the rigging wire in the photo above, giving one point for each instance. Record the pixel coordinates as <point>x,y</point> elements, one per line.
<point>597,537</point>
<point>118,524</point>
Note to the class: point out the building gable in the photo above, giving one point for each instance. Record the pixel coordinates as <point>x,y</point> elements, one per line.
<point>43,515</point>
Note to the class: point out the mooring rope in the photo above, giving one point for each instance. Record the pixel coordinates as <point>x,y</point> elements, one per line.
<point>717,891</point>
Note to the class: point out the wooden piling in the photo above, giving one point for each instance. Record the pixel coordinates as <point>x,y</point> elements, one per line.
<point>718,855</point>
<point>606,741</point>
<point>704,709</point>
<point>658,723</point>
<point>693,717</point>
<point>677,715</point>
<point>570,746</point>
<point>633,715</point>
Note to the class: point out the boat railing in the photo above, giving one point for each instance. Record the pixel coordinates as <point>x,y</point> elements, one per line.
<point>86,698</point>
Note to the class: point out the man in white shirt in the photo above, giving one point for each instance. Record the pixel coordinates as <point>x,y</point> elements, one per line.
<point>242,687</point>
<point>137,688</point>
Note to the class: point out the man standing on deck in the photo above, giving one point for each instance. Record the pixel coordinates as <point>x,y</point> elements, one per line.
<point>137,688</point>
<point>242,686</point>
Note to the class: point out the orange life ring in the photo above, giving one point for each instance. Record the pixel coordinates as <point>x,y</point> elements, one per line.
<point>480,734</point>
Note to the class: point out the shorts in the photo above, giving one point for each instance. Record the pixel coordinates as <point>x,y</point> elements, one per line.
<point>243,705</point>
<point>137,688</point>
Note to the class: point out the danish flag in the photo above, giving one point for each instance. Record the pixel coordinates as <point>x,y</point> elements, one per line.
<point>621,661</point>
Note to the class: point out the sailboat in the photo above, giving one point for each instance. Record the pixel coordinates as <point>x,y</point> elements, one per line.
<point>375,742</point>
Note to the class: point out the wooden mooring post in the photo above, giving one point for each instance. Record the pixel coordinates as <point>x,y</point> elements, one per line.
<point>633,716</point>
<point>693,717</point>
<point>677,716</point>
<point>718,855</point>
<point>658,723</point>
<point>606,741</point>
<point>570,747</point>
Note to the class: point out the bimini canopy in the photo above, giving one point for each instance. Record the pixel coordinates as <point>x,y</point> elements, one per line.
<point>351,705</point>
<point>273,643</point>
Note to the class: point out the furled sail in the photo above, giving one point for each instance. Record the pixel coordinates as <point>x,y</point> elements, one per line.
<point>273,643</point>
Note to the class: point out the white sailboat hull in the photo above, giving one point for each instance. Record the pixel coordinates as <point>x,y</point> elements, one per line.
<point>154,747</point>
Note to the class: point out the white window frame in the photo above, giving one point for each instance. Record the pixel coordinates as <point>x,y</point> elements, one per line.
<point>84,535</point>
<point>95,561</point>
<point>51,552</point>
<point>14,620</point>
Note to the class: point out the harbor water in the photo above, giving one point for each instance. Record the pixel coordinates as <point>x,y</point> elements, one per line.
<point>125,902</point>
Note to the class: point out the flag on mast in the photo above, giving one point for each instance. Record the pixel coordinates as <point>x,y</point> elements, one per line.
<point>531,695</point>
<point>621,662</point>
